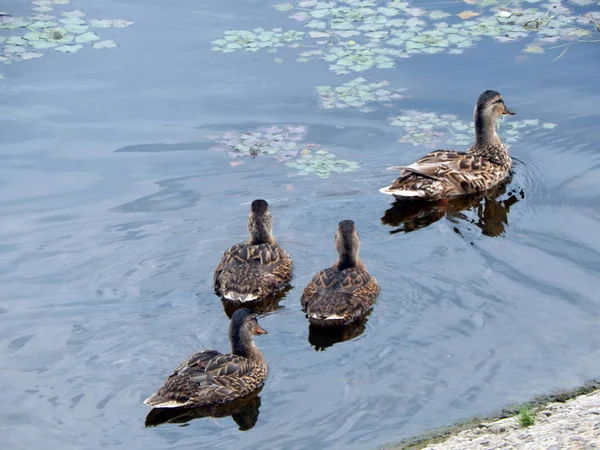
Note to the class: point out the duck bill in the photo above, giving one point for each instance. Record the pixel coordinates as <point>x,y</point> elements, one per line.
<point>508,111</point>
<point>260,330</point>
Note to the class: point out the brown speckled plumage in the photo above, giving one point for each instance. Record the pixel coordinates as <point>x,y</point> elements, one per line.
<point>448,173</point>
<point>345,291</point>
<point>255,269</point>
<point>209,377</point>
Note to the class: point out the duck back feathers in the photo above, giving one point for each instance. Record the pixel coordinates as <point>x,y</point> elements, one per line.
<point>255,269</point>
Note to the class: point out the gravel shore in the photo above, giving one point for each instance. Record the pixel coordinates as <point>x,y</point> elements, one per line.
<point>573,425</point>
<point>564,421</point>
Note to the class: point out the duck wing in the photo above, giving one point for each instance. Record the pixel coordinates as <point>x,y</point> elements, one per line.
<point>203,380</point>
<point>445,173</point>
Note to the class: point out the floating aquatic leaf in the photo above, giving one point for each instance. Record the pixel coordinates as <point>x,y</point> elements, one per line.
<point>69,48</point>
<point>101,23</point>
<point>467,14</point>
<point>255,40</point>
<point>318,34</point>
<point>105,44</point>
<point>43,9</point>
<point>15,40</point>
<point>74,13</point>
<point>76,29</point>
<point>122,23</point>
<point>32,36</point>
<point>42,44</point>
<point>14,49</point>
<point>356,93</point>
<point>300,16</point>
<point>43,17</point>
<point>84,38</point>
<point>533,49</point>
<point>438,15</point>
<point>30,55</point>
<point>283,6</point>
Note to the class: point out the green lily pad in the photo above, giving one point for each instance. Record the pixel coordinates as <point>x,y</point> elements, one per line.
<point>76,29</point>
<point>101,23</point>
<point>84,38</point>
<point>15,40</point>
<point>30,55</point>
<point>14,49</point>
<point>43,24</point>
<point>283,6</point>
<point>32,36</point>
<point>69,48</point>
<point>42,45</point>
<point>105,44</point>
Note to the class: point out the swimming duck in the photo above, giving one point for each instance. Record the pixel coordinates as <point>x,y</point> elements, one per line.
<point>210,377</point>
<point>345,291</point>
<point>448,173</point>
<point>257,268</point>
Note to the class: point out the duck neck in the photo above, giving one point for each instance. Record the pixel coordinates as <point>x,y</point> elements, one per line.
<point>260,233</point>
<point>485,129</point>
<point>347,259</point>
<point>244,346</point>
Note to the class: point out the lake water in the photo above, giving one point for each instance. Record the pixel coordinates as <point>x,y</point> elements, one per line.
<point>115,212</point>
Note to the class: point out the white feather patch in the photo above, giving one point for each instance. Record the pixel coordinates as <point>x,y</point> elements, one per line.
<point>331,317</point>
<point>401,192</point>
<point>169,404</point>
<point>239,297</point>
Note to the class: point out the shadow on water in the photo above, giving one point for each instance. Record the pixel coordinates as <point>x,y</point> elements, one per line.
<point>323,337</point>
<point>265,305</point>
<point>490,213</point>
<point>243,411</point>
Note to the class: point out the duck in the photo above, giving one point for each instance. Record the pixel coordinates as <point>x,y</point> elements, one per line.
<point>256,269</point>
<point>444,174</point>
<point>210,377</point>
<point>344,292</point>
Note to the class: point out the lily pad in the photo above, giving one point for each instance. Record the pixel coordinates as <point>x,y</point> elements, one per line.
<point>14,49</point>
<point>69,48</point>
<point>105,44</point>
<point>84,38</point>
<point>30,55</point>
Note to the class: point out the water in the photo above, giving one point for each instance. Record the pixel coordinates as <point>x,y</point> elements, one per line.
<point>115,214</point>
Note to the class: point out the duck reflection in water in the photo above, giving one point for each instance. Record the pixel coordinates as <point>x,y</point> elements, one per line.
<point>243,411</point>
<point>323,337</point>
<point>491,212</point>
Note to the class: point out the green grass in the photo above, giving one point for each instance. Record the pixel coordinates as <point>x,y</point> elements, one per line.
<point>526,417</point>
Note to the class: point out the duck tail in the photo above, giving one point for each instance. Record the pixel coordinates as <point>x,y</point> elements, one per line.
<point>158,401</point>
<point>393,189</point>
<point>333,309</point>
<point>239,297</point>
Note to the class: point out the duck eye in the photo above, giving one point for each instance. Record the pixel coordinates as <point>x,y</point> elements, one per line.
<point>499,101</point>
